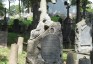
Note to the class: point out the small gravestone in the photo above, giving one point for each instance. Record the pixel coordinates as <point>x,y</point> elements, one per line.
<point>84,61</point>
<point>51,49</point>
<point>20,44</point>
<point>13,58</point>
<point>3,38</point>
<point>70,58</point>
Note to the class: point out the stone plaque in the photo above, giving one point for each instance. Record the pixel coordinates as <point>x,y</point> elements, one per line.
<point>50,48</point>
<point>3,38</point>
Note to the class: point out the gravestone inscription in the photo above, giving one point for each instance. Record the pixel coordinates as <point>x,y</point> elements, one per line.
<point>50,49</point>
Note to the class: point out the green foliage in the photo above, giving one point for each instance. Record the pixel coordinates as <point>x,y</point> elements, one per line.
<point>90,10</point>
<point>82,2</point>
<point>4,52</point>
<point>12,38</point>
<point>10,22</point>
<point>4,56</point>
<point>14,9</point>
<point>73,2</point>
<point>55,18</point>
<point>64,56</point>
<point>27,22</point>
<point>1,9</point>
<point>22,22</point>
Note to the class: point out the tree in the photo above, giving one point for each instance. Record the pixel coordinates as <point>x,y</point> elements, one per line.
<point>81,7</point>
<point>1,9</point>
<point>14,9</point>
<point>34,4</point>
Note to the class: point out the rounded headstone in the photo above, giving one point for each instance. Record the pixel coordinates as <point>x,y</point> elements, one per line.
<point>91,56</point>
<point>50,48</point>
<point>70,58</point>
<point>84,61</point>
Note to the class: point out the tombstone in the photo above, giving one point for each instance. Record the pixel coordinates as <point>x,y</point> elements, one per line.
<point>13,58</point>
<point>83,39</point>
<point>37,54</point>
<point>20,44</point>
<point>51,49</point>
<point>84,61</point>
<point>70,58</point>
<point>3,38</point>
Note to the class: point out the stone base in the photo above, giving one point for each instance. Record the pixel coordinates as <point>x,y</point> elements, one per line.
<point>78,56</point>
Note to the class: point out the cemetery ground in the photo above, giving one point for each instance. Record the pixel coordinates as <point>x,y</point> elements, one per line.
<point>13,37</point>
<point>5,52</point>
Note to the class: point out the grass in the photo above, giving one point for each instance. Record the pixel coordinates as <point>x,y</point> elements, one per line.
<point>64,56</point>
<point>5,52</point>
<point>4,56</point>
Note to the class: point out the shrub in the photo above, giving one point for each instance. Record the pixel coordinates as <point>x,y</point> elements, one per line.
<point>55,18</point>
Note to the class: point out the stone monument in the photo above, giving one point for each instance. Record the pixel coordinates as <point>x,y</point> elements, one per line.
<point>45,42</point>
<point>83,39</point>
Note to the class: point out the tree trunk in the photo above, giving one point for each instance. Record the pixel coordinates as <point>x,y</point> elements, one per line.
<point>78,11</point>
<point>9,7</point>
<point>84,8</point>
<point>36,14</point>
<point>28,6</point>
<point>19,7</point>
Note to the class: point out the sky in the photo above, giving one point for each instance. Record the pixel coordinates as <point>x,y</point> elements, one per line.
<point>6,3</point>
<point>60,8</point>
<point>55,8</point>
<point>16,2</point>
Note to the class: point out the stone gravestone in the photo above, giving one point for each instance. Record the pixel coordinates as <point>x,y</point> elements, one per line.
<point>37,53</point>
<point>50,49</point>
<point>83,39</point>
<point>3,38</point>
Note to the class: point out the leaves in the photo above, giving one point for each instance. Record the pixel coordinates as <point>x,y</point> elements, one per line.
<point>1,9</point>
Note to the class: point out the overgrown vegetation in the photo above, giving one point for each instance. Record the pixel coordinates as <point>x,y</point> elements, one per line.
<point>4,56</point>
<point>55,18</point>
<point>13,37</point>
<point>5,52</point>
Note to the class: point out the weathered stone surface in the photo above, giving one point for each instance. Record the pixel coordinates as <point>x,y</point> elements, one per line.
<point>51,49</point>
<point>84,61</point>
<point>20,44</point>
<point>70,58</point>
<point>3,38</point>
<point>35,49</point>
<point>13,58</point>
<point>83,39</point>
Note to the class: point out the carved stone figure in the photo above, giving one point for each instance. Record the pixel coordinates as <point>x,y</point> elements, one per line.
<point>36,42</point>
